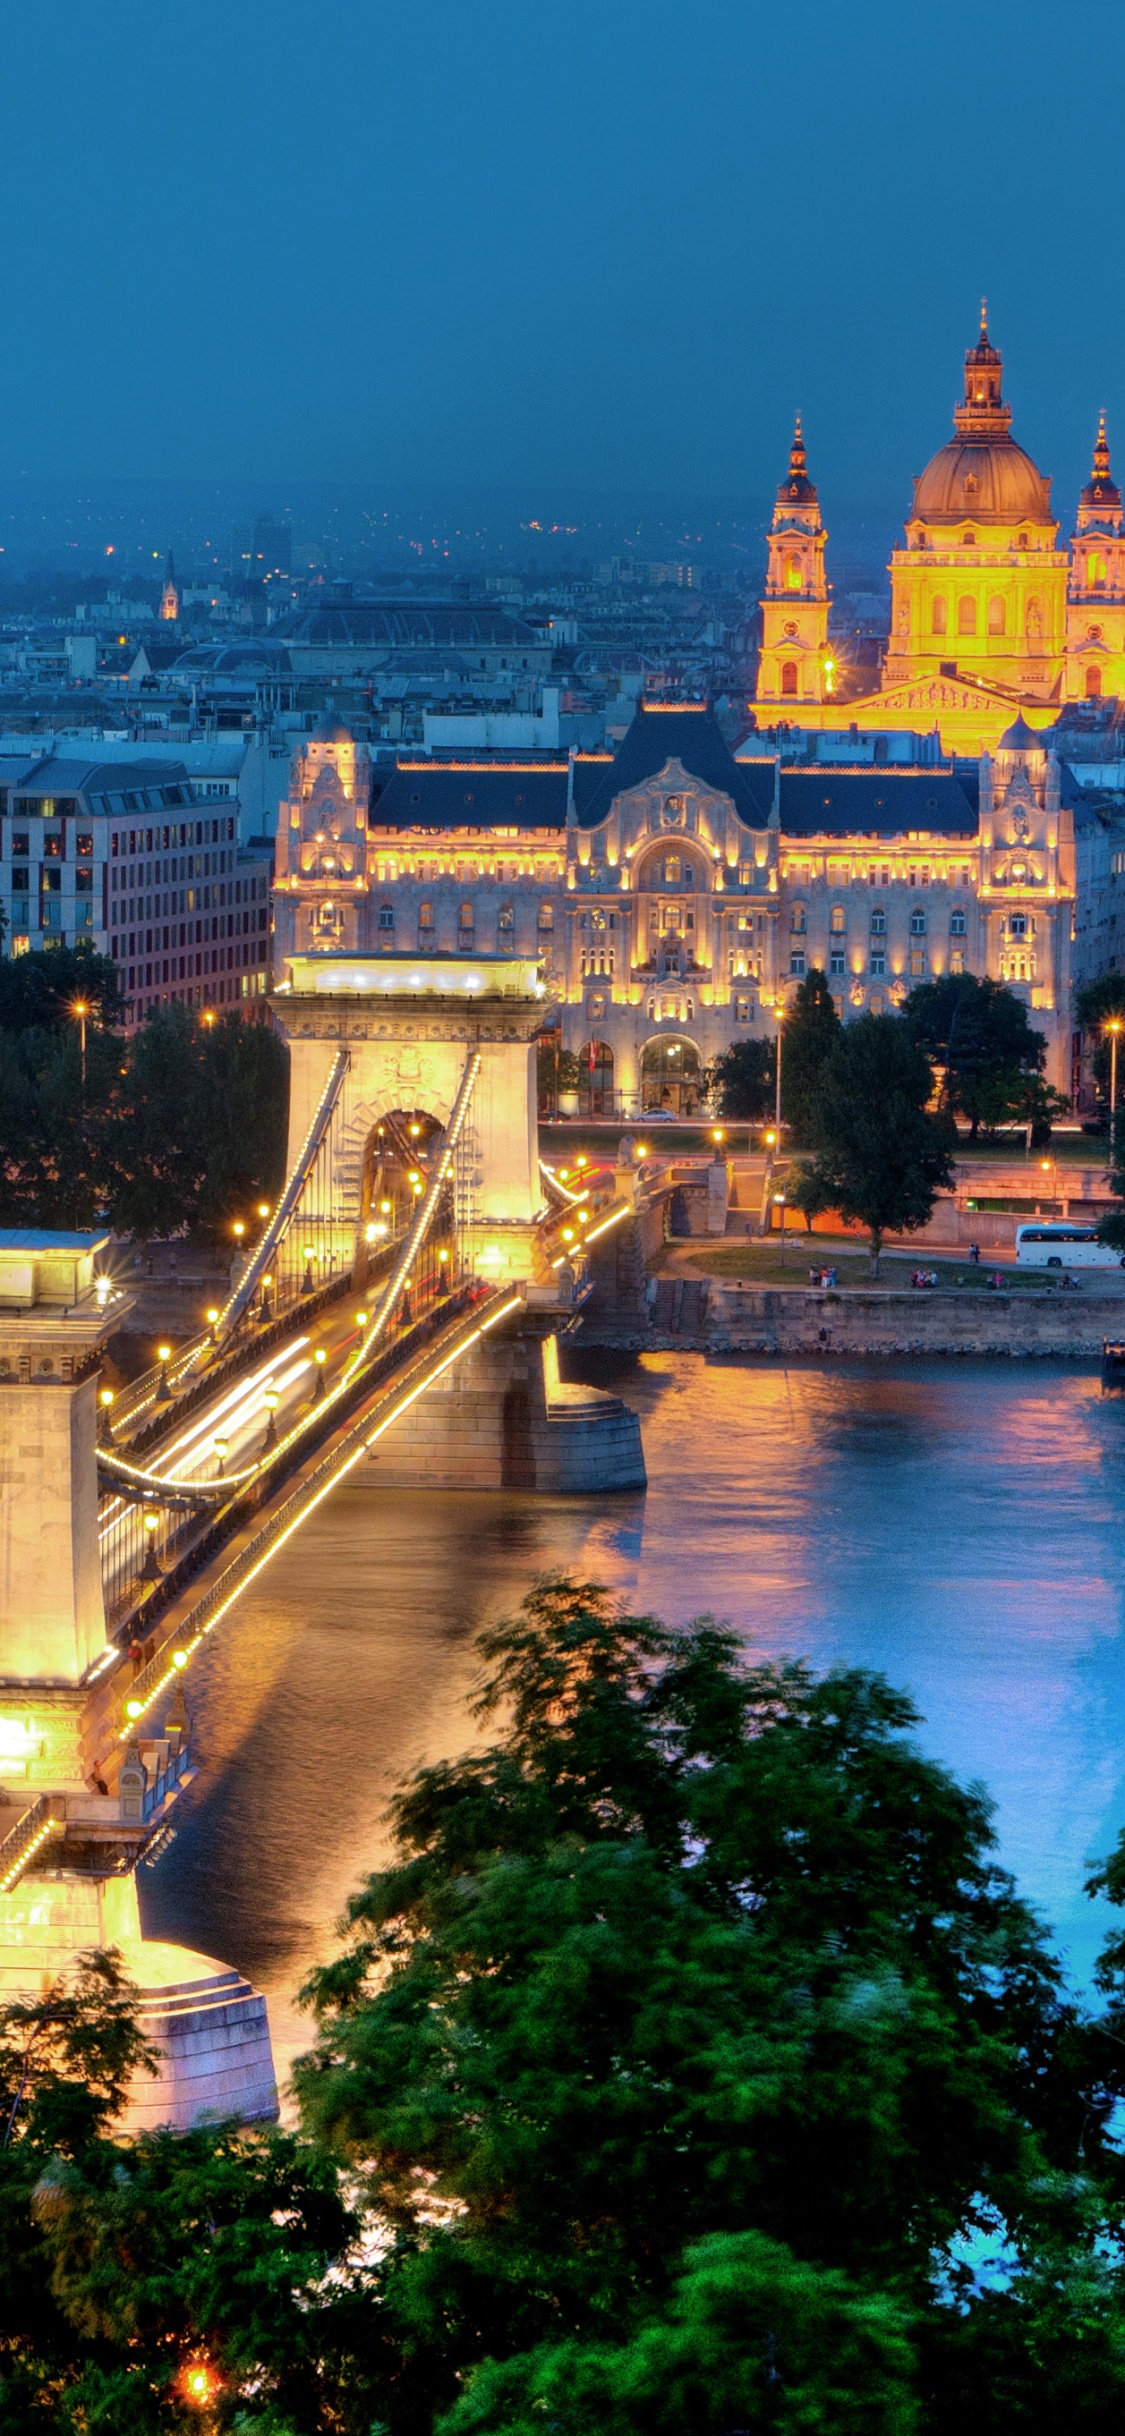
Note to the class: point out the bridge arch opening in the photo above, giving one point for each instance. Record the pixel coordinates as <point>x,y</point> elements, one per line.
<point>396,1170</point>
<point>671,1077</point>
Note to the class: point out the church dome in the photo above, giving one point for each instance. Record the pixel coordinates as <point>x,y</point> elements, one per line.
<point>331,731</point>
<point>982,476</point>
<point>993,480</point>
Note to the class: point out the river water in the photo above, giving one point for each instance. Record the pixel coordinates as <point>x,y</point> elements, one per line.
<point>956,1524</point>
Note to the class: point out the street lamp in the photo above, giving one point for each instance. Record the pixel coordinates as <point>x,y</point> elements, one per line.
<point>150,1570</point>
<point>163,1391</point>
<point>105,1399</point>
<point>80,1007</point>
<point>222,1450</point>
<point>271,1400</point>
<point>307,1285</point>
<point>320,1357</point>
<point>1047,1165</point>
<point>1114,1027</point>
<point>779,1203</point>
<point>265,1307</point>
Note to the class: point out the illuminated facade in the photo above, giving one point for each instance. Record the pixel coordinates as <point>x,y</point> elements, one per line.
<point>1095,606</point>
<point>989,617</point>
<point>796,664</point>
<point>677,896</point>
<point>170,594</point>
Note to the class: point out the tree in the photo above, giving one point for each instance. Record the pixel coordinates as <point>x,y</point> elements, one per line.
<point>810,1033</point>
<point>689,2029</point>
<point>880,1156</point>
<point>745,1076</point>
<point>978,1033</point>
<point>38,991</point>
<point>806,1189</point>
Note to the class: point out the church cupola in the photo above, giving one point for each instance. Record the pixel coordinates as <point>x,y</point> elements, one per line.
<point>796,664</point>
<point>170,595</point>
<point>984,411</point>
<point>1099,500</point>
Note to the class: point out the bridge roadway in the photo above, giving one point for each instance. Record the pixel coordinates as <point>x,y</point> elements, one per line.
<point>235,1540</point>
<point>334,1395</point>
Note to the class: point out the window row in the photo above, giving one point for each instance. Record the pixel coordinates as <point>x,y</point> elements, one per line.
<point>838,922</point>
<point>467,921</point>
<point>996,616</point>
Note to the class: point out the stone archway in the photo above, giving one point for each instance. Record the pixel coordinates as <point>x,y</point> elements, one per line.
<point>671,1076</point>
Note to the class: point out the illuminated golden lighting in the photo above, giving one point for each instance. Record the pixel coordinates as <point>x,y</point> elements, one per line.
<point>164,1353</point>
<point>212,1316</point>
<point>320,1354</point>
<point>263,1209</point>
<point>105,1398</point>
<point>239,1228</point>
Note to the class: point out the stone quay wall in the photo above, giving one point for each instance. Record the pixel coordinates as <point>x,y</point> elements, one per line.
<point>803,1320</point>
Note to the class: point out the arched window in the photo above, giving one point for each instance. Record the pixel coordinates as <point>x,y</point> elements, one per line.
<point>957,922</point>
<point>838,921</point>
<point>794,575</point>
<point>1095,572</point>
<point>939,616</point>
<point>465,916</point>
<point>1034,621</point>
<point>970,541</point>
<point>996,617</point>
<point>797,922</point>
<point>966,614</point>
<point>505,919</point>
<point>425,915</point>
<point>1093,684</point>
<point>546,915</point>
<point>671,871</point>
<point>878,922</point>
<point>1022,542</point>
<point>789,676</point>
<point>386,915</point>
<point>918,922</point>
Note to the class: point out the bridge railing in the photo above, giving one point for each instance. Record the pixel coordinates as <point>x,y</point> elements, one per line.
<point>384,1400</point>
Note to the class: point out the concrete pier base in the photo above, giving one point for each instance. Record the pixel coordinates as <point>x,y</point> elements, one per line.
<point>503,1419</point>
<point>207,2023</point>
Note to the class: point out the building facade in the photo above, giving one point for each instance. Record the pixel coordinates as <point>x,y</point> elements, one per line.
<point>677,897</point>
<point>989,617</point>
<point>122,857</point>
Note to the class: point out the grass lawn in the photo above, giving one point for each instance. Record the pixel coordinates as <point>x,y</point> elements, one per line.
<point>761,1265</point>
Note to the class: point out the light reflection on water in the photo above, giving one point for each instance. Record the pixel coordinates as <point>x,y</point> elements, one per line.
<point>958,1526</point>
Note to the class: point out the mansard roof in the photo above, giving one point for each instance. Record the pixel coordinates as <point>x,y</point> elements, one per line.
<point>468,794</point>
<point>687,733</point>
<point>882,802</point>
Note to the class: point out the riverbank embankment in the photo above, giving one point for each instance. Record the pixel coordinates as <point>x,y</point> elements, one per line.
<point>715,1318</point>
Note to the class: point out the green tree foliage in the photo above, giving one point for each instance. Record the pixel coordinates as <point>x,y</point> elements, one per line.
<point>810,1033</point>
<point>180,1124</point>
<point>880,1155</point>
<point>807,1190</point>
<point>41,990</point>
<point>979,1034</point>
<point>745,1076</point>
<point>690,2029</point>
<point>123,2262</point>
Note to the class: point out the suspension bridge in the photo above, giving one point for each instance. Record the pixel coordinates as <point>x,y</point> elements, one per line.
<point>405,1297</point>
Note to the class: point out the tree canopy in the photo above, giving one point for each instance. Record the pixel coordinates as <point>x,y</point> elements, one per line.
<point>178,1124</point>
<point>979,1033</point>
<point>745,1075</point>
<point>809,1035</point>
<point>880,1155</point>
<point>669,2081</point>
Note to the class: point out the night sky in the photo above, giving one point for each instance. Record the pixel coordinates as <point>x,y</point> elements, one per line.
<point>602,247</point>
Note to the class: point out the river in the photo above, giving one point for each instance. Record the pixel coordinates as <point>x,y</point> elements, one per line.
<point>956,1524</point>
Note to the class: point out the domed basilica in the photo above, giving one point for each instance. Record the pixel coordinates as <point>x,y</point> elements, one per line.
<point>989,616</point>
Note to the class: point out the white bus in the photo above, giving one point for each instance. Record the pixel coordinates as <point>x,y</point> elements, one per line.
<point>1043,1246</point>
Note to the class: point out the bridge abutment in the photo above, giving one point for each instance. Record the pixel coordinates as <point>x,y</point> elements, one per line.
<point>78,1805</point>
<point>501,1418</point>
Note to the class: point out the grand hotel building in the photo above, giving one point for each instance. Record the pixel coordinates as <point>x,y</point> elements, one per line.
<point>678,895</point>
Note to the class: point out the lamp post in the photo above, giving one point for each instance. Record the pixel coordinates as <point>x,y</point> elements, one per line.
<point>320,1357</point>
<point>81,1008</point>
<point>271,1400</point>
<point>150,1570</point>
<point>163,1391</point>
<point>779,1200</point>
<point>222,1450</point>
<point>770,1140</point>
<point>105,1400</point>
<point>1114,1027</point>
<point>1047,1165</point>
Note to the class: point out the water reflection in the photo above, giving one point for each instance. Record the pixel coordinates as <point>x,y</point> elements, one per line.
<point>957,1526</point>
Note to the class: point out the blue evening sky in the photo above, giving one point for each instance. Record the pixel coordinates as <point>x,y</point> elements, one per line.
<point>606,246</point>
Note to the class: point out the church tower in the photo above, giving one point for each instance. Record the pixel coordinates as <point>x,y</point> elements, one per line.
<point>796,665</point>
<point>1095,602</point>
<point>170,598</point>
<point>978,592</point>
